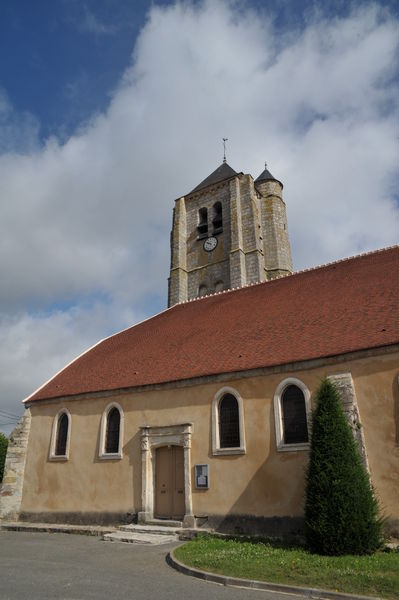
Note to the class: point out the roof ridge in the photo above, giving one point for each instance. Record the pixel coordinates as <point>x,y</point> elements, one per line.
<point>346,259</point>
<point>300,272</point>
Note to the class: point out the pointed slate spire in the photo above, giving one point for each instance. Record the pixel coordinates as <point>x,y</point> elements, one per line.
<point>220,174</point>
<point>267,176</point>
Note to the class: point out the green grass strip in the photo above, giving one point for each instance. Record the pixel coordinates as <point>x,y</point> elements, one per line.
<point>371,575</point>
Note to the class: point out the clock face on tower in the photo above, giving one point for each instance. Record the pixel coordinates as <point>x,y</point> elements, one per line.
<point>210,244</point>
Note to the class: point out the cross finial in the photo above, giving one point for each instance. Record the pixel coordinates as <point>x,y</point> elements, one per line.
<point>265,165</point>
<point>224,148</point>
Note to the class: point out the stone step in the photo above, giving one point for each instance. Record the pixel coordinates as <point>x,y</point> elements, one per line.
<point>151,529</point>
<point>139,538</point>
<point>165,523</point>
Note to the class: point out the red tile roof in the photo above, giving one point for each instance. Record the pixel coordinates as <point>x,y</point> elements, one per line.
<point>330,310</point>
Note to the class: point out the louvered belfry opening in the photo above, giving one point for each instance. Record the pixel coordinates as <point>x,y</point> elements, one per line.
<point>217,220</point>
<point>112,435</point>
<point>294,416</point>
<point>229,425</point>
<point>202,228</point>
<point>62,435</point>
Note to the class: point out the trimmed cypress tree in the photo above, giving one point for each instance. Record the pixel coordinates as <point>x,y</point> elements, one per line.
<point>3,454</point>
<point>341,511</point>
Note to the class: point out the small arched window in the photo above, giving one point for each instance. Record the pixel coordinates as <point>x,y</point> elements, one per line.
<point>202,290</point>
<point>111,432</point>
<point>60,436</point>
<point>229,425</point>
<point>217,220</point>
<point>228,434</point>
<point>219,286</point>
<point>292,410</point>
<point>202,227</point>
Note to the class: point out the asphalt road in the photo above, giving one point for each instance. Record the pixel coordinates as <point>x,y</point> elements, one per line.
<point>75,567</point>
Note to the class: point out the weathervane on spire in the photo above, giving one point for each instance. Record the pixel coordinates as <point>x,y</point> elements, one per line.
<point>224,148</point>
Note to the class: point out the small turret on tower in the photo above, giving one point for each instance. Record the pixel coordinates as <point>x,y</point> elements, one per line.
<point>276,244</point>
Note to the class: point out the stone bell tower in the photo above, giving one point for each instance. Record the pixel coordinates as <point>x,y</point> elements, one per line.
<point>229,231</point>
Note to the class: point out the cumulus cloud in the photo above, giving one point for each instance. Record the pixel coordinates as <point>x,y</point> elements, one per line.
<point>85,224</point>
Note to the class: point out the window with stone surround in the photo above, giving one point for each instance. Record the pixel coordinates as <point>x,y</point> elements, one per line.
<point>60,436</point>
<point>292,415</point>
<point>228,436</point>
<point>111,435</point>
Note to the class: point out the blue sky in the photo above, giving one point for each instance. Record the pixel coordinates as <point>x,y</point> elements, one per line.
<point>109,110</point>
<point>65,57</point>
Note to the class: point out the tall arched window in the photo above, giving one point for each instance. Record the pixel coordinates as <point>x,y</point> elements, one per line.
<point>295,426</point>
<point>60,436</point>
<point>111,432</point>
<point>228,436</point>
<point>217,220</point>
<point>202,227</point>
<point>292,411</point>
<point>229,425</point>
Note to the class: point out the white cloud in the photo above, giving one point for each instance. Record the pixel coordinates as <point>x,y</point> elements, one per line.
<point>91,218</point>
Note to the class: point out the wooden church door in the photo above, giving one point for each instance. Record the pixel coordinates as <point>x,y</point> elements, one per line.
<point>169,482</point>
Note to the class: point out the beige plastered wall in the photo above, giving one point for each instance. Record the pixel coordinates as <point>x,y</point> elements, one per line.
<point>262,482</point>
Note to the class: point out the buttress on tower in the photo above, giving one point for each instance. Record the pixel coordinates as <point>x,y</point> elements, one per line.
<point>229,231</point>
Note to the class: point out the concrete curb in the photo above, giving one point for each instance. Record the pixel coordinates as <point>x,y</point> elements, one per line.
<point>261,585</point>
<point>55,528</point>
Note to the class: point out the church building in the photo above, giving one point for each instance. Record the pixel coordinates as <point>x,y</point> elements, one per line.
<point>202,413</point>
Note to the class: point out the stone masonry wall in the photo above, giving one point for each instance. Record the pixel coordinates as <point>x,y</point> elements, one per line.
<point>14,469</point>
<point>253,246</point>
<point>344,383</point>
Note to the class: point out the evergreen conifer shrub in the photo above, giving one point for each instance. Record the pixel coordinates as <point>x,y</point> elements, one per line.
<point>341,511</point>
<point>3,454</point>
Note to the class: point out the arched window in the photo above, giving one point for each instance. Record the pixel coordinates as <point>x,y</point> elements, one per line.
<point>111,432</point>
<point>202,290</point>
<point>219,286</point>
<point>292,410</point>
<point>217,220</point>
<point>60,436</point>
<point>202,227</point>
<point>228,423</point>
<point>295,425</point>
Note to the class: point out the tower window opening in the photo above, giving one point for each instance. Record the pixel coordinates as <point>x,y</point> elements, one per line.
<point>202,227</point>
<point>202,290</point>
<point>217,220</point>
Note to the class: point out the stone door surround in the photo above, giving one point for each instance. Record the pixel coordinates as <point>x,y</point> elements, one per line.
<point>152,438</point>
